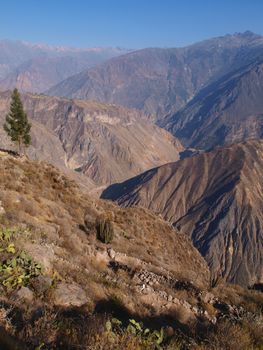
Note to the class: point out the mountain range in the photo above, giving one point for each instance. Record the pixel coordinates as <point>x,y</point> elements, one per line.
<point>171,255</point>
<point>161,81</point>
<point>100,129</point>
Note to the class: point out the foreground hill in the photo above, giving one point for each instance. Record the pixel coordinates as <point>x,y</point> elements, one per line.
<point>54,222</point>
<point>215,198</point>
<point>161,81</point>
<point>228,111</point>
<point>107,143</point>
<point>35,68</point>
<point>60,285</point>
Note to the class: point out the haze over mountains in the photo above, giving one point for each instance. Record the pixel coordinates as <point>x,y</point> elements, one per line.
<point>216,199</point>
<point>35,68</point>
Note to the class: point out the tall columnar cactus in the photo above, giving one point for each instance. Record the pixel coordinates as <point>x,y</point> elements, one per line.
<point>105,230</point>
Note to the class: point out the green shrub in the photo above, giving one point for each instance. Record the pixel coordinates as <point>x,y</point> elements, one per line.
<point>105,230</point>
<point>16,267</point>
<point>149,339</point>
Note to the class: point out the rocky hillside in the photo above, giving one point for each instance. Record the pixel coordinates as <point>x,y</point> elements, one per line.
<point>61,284</point>
<point>215,198</point>
<point>107,143</point>
<point>35,68</point>
<point>161,81</point>
<point>54,222</point>
<point>228,111</point>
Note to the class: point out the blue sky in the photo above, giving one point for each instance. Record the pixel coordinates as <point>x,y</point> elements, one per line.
<point>126,23</point>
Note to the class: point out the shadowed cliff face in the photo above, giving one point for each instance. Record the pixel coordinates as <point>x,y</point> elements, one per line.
<point>107,143</point>
<point>161,81</point>
<point>228,111</point>
<point>214,197</point>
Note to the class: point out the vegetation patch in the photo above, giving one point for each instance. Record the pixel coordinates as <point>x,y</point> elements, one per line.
<point>17,268</point>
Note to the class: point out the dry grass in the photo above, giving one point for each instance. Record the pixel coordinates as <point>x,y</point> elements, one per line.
<point>62,222</point>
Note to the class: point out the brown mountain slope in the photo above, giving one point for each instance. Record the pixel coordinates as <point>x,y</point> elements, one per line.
<point>107,143</point>
<point>61,236</point>
<point>228,111</point>
<point>161,81</point>
<point>216,198</point>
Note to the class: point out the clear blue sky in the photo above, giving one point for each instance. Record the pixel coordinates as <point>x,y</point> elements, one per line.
<point>126,23</point>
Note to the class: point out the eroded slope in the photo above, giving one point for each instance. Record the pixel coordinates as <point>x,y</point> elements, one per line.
<point>216,198</point>
<point>225,112</point>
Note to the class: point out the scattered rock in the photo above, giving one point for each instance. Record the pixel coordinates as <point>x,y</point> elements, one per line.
<point>2,209</point>
<point>41,284</point>
<point>111,253</point>
<point>163,294</point>
<point>186,305</point>
<point>170,298</point>
<point>44,254</point>
<point>195,309</point>
<point>23,294</point>
<point>176,301</point>
<point>214,320</point>
<point>208,297</point>
<point>69,295</point>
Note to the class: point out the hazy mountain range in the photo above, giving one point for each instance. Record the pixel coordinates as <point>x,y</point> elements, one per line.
<point>35,68</point>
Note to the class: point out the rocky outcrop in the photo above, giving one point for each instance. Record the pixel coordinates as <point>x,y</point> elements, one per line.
<point>215,198</point>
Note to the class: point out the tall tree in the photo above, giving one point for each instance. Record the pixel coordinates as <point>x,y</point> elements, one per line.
<point>17,126</point>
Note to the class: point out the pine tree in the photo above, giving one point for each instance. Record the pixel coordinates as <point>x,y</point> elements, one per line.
<point>17,126</point>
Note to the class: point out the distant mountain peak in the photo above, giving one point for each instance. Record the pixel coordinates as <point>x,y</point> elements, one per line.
<point>247,34</point>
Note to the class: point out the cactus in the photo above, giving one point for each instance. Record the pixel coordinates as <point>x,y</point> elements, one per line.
<point>105,230</point>
<point>215,278</point>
